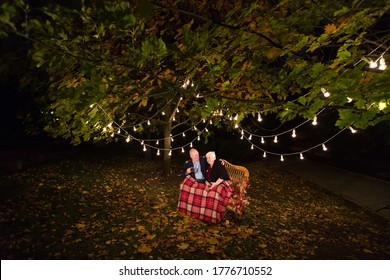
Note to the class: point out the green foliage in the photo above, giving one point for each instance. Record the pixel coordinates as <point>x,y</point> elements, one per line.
<point>132,59</point>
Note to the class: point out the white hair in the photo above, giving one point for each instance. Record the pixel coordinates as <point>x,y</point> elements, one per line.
<point>211,154</point>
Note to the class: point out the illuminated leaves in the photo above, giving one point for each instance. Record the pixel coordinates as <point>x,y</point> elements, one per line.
<point>330,28</point>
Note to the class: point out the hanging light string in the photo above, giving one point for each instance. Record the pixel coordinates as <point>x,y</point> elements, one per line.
<point>314,121</point>
<point>300,153</point>
<point>118,131</point>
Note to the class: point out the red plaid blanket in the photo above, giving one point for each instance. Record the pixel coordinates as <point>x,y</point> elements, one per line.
<point>197,201</point>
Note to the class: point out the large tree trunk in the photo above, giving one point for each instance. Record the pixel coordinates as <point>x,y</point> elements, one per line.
<point>167,147</point>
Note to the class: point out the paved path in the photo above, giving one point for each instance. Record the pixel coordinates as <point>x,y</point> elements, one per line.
<point>368,192</point>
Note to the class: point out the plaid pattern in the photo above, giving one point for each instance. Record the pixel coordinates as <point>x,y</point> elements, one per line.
<point>198,202</point>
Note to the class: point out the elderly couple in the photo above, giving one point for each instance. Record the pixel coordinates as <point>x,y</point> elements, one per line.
<point>207,170</point>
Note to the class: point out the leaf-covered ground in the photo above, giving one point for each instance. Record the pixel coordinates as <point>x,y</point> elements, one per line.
<point>121,207</point>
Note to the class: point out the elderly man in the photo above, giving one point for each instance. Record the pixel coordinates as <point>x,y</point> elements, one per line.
<point>195,167</point>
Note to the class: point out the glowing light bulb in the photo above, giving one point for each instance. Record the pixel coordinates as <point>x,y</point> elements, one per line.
<point>119,131</point>
<point>113,134</point>
<point>170,153</point>
<point>301,156</point>
<point>93,104</point>
<point>276,139</point>
<point>264,154</point>
<point>352,129</point>
<point>184,135</point>
<point>220,113</point>
<point>281,158</point>
<point>172,139</point>
<point>242,136</point>
<point>157,142</point>
<point>204,121</point>
<point>314,121</point>
<point>144,148</point>
<point>324,147</point>
<point>148,122</point>
<point>236,117</point>
<point>195,128</point>
<point>250,137</point>
<point>134,128</point>
<point>293,134</point>
<point>373,64</point>
<point>382,64</point>
<point>163,113</point>
<point>252,147</point>
<point>349,99</point>
<point>191,145</point>
<point>198,138</point>
<point>177,110</point>
<point>206,129</point>
<point>174,119</point>
<point>198,95</point>
<point>104,129</point>
<point>142,142</point>
<point>325,92</point>
<point>259,119</point>
<point>211,122</point>
<point>158,152</point>
<point>382,105</point>
<point>262,140</point>
<point>109,125</point>
<point>128,139</point>
<point>236,126</point>
<point>182,150</point>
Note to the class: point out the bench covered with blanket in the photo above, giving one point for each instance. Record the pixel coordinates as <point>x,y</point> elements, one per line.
<point>196,200</point>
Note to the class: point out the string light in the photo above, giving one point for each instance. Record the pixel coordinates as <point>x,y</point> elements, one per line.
<point>264,154</point>
<point>250,137</point>
<point>259,119</point>
<point>382,105</point>
<point>191,145</point>
<point>373,64</point>
<point>294,134</point>
<point>109,125</point>
<point>314,121</point>
<point>112,134</point>
<point>182,150</point>
<point>144,148</point>
<point>352,129</point>
<point>301,156</point>
<point>198,138</point>
<point>276,139</point>
<point>252,147</point>
<point>148,122</point>
<point>157,142</point>
<point>349,99</point>
<point>382,64</point>
<point>119,131</point>
<point>324,147</point>
<point>281,158</point>
<point>158,152</point>
<point>134,128</point>
<point>128,139</point>
<point>262,140</point>
<point>170,153</point>
<point>325,92</point>
<point>184,135</point>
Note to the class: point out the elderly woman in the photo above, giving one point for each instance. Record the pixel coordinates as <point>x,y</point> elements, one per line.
<point>215,173</point>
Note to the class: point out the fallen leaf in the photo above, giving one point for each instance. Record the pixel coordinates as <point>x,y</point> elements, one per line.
<point>183,246</point>
<point>144,249</point>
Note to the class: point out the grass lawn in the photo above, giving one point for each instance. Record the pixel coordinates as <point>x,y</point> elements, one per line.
<point>121,207</point>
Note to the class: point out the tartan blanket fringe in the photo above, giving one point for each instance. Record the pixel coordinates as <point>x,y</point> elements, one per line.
<point>197,201</point>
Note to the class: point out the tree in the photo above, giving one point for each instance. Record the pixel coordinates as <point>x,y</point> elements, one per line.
<point>114,65</point>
